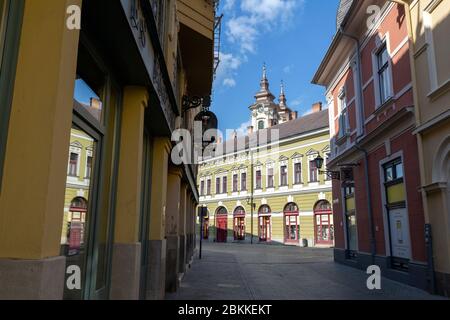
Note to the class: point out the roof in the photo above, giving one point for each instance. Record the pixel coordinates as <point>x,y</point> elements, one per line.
<point>344,7</point>
<point>307,124</point>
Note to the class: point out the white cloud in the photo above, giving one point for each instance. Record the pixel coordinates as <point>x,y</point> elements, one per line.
<point>257,17</point>
<point>229,5</point>
<point>296,102</point>
<point>288,69</point>
<point>229,82</point>
<point>226,73</point>
<point>242,131</point>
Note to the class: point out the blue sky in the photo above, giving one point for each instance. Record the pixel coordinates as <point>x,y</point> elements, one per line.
<point>290,36</point>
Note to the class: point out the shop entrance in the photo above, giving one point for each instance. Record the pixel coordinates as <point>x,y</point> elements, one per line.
<point>221,225</point>
<point>264,218</point>
<point>291,224</point>
<point>239,224</point>
<point>324,228</point>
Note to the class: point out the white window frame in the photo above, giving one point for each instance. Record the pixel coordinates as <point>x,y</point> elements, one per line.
<point>295,161</point>
<point>284,163</point>
<point>311,157</point>
<point>343,131</point>
<point>270,165</point>
<point>74,148</point>
<point>258,168</point>
<point>375,53</point>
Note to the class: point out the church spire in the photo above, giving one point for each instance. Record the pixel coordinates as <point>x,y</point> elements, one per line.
<point>282,96</point>
<point>264,81</point>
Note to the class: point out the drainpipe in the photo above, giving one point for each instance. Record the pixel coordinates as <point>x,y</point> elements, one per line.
<point>373,249</point>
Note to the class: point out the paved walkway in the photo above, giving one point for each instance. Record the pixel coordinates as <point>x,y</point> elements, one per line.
<point>272,272</point>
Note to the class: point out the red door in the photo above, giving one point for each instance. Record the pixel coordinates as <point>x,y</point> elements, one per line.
<point>221,235</point>
<point>239,228</point>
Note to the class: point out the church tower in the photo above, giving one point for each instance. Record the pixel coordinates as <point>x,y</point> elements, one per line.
<point>265,112</point>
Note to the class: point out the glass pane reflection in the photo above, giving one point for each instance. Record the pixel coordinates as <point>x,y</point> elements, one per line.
<point>76,208</point>
<point>88,99</point>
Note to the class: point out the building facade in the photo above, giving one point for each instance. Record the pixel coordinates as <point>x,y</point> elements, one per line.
<point>429,26</point>
<point>378,210</point>
<point>91,206</point>
<point>270,191</point>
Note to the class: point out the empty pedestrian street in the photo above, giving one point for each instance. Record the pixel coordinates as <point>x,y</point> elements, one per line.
<point>273,272</point>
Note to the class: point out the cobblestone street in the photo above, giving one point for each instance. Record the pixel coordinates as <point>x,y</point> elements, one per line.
<point>273,272</point>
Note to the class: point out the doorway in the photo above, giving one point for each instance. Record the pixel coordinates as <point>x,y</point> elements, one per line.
<point>265,230</point>
<point>291,224</point>
<point>239,224</point>
<point>221,225</point>
<point>324,227</point>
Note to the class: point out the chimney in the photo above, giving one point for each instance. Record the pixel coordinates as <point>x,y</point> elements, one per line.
<point>96,104</point>
<point>294,115</point>
<point>234,135</point>
<point>250,130</point>
<point>317,107</point>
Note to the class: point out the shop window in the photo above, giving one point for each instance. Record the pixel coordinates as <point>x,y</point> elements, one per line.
<point>86,232</point>
<point>399,240</point>
<point>239,223</point>
<point>264,222</point>
<point>324,227</point>
<point>350,216</point>
<point>291,223</point>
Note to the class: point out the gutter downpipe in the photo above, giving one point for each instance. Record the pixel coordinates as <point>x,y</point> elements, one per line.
<point>373,248</point>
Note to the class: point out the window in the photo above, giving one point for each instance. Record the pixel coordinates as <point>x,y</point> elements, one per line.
<point>225,185</point>
<point>394,184</point>
<point>283,176</point>
<point>88,167</point>
<point>298,173</point>
<point>208,187</point>
<point>217,185</point>
<point>261,125</point>
<point>270,178</point>
<point>73,164</point>
<point>202,187</point>
<point>235,183</point>
<point>258,179</point>
<point>384,78</point>
<point>313,172</point>
<point>343,114</point>
<point>350,216</point>
<point>244,181</point>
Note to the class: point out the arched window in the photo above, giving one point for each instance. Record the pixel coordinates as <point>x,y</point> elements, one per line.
<point>221,211</point>
<point>239,211</point>
<point>78,205</point>
<point>261,125</point>
<point>291,207</point>
<point>322,205</point>
<point>265,209</point>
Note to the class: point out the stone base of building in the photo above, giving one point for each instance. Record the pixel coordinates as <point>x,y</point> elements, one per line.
<point>417,276</point>
<point>173,248</point>
<point>156,284</point>
<point>125,276</point>
<point>442,283</point>
<point>32,279</point>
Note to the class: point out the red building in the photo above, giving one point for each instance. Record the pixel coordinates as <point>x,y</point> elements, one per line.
<point>378,212</point>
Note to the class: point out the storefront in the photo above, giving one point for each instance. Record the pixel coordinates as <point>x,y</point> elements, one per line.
<point>323,223</point>
<point>264,222</point>
<point>291,224</point>
<point>239,224</point>
<point>221,224</point>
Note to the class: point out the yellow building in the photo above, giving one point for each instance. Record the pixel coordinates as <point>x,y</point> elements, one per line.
<point>429,24</point>
<point>91,206</point>
<point>271,191</point>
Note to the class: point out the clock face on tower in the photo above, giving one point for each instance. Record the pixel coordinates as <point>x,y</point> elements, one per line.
<point>261,108</point>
